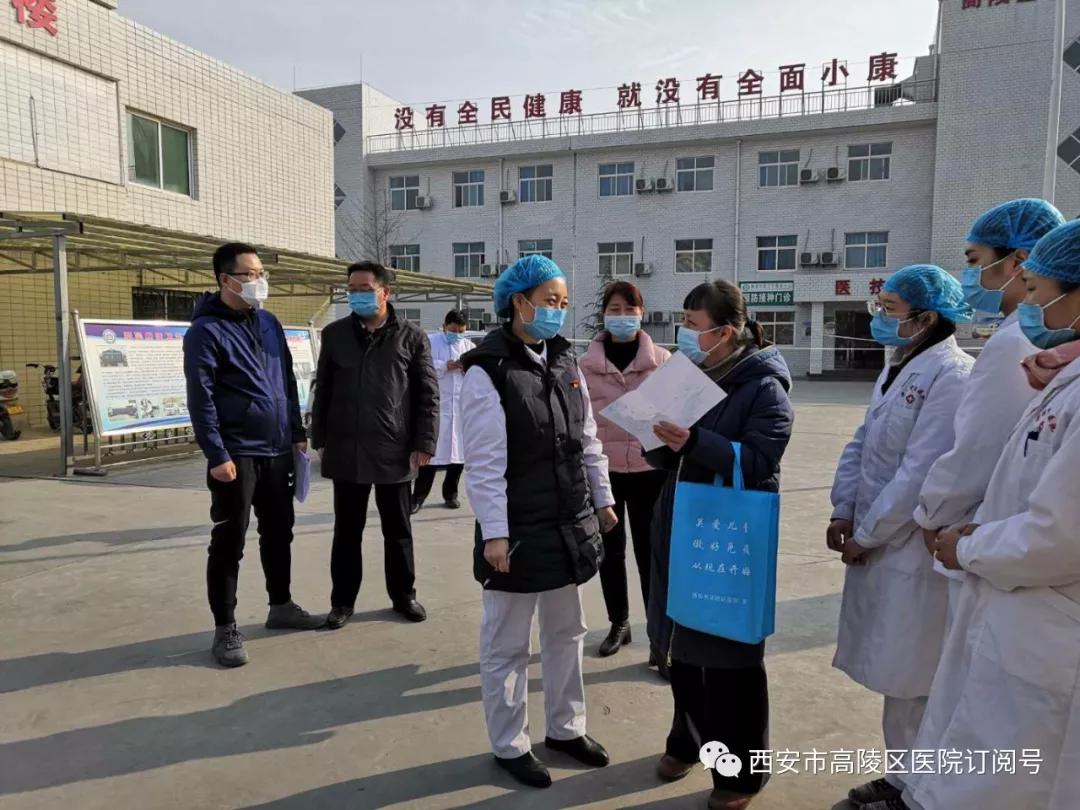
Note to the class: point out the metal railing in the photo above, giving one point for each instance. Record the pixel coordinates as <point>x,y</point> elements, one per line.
<point>788,105</point>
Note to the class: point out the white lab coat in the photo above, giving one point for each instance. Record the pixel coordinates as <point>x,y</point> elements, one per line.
<point>893,611</point>
<point>995,397</point>
<point>1008,677</point>
<point>448,450</point>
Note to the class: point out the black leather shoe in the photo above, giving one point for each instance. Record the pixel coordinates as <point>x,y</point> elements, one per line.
<point>584,749</point>
<point>416,506</point>
<point>338,617</point>
<point>411,610</point>
<point>616,637</point>
<point>527,769</point>
<point>453,503</point>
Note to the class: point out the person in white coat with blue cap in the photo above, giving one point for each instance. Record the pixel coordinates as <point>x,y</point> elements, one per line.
<point>893,611</point>
<point>997,392</point>
<point>1009,677</point>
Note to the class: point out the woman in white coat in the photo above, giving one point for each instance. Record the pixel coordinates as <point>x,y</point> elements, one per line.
<point>997,392</point>
<point>447,347</point>
<point>1009,677</point>
<point>893,611</point>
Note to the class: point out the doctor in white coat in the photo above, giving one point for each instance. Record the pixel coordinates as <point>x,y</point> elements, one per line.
<point>892,615</point>
<point>997,392</point>
<point>1009,677</point>
<point>447,348</point>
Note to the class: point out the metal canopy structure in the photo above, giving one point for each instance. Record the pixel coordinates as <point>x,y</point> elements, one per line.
<point>97,245</point>
<point>57,244</point>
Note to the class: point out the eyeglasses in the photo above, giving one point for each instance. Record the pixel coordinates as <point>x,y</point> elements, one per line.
<point>874,306</point>
<point>251,276</point>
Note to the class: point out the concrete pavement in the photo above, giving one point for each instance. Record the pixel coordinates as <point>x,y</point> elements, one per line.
<point>109,699</point>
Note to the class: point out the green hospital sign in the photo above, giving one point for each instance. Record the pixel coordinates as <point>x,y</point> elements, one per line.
<point>759,293</point>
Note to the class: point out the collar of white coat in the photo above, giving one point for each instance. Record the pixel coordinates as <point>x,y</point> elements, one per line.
<point>538,357</point>
<point>932,358</point>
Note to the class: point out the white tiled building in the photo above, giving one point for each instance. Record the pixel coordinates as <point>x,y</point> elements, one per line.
<point>102,116</point>
<point>751,197</point>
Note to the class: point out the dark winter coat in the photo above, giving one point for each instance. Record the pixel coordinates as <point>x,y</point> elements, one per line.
<point>241,391</point>
<point>376,400</point>
<point>554,531</point>
<point>758,414</point>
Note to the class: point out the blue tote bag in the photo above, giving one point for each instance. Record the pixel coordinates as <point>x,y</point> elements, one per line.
<point>722,568</point>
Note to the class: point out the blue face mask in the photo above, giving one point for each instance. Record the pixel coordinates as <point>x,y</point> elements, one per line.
<point>977,295</point>
<point>1033,325</point>
<point>623,328</point>
<point>364,304</point>
<point>690,344</point>
<point>886,331</point>
<point>452,337</point>
<point>546,322</point>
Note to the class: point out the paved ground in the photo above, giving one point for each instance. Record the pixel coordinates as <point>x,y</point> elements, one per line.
<point>108,697</point>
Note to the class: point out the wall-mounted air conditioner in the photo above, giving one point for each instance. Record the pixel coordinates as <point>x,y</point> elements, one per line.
<point>423,202</point>
<point>643,185</point>
<point>808,259</point>
<point>660,317</point>
<point>834,174</point>
<point>643,268</point>
<point>488,318</point>
<point>487,271</point>
<point>829,258</point>
<point>808,176</point>
<point>507,197</point>
<point>663,184</point>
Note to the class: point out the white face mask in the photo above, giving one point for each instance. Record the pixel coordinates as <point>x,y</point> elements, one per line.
<point>255,292</point>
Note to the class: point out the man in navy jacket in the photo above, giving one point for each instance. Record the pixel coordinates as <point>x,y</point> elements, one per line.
<point>245,411</point>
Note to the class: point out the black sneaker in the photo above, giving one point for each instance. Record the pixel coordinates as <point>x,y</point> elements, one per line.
<point>527,769</point>
<point>339,617</point>
<point>411,610</point>
<point>584,749</point>
<point>616,638</point>
<point>291,616</point>
<point>416,506</point>
<point>453,503</point>
<point>228,647</point>
<point>879,790</point>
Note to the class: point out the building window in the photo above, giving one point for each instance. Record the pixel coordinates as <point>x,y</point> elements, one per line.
<point>776,252</point>
<point>616,179</point>
<point>779,168</point>
<point>869,161</point>
<point>152,304</point>
<point>694,174</point>
<point>616,258</point>
<point>404,190</point>
<point>413,315</point>
<point>534,183</point>
<point>468,256</point>
<point>405,257</point>
<point>534,247</point>
<point>779,326</point>
<point>693,255</point>
<point>468,188</point>
<point>159,155</point>
<point>865,250</point>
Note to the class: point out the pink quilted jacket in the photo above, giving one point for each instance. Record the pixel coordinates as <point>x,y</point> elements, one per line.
<point>606,384</point>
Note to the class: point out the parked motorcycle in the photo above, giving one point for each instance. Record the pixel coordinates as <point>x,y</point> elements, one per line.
<point>9,405</point>
<point>50,386</point>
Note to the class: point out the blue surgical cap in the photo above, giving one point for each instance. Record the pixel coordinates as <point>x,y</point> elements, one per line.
<point>1016,225</point>
<point>929,288</point>
<point>523,275</point>
<point>1057,255</point>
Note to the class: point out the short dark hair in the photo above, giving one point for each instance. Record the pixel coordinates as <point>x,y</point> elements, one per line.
<point>226,255</point>
<point>383,275</point>
<point>455,318</point>
<point>627,291</point>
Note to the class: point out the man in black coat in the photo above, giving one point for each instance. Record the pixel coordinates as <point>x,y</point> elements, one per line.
<point>375,422</point>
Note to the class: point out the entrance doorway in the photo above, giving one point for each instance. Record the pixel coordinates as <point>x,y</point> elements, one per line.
<point>855,350</point>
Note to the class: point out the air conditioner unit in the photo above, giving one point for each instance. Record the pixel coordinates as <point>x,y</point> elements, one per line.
<point>808,176</point>
<point>834,174</point>
<point>643,185</point>
<point>500,267</point>
<point>808,259</point>
<point>507,197</point>
<point>643,268</point>
<point>660,317</point>
<point>423,202</point>
<point>829,258</point>
<point>487,271</point>
<point>663,184</point>
<point>488,318</point>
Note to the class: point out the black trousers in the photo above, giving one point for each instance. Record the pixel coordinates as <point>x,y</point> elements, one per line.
<point>394,502</point>
<point>425,479</point>
<point>635,493</point>
<point>726,705</point>
<point>266,483</point>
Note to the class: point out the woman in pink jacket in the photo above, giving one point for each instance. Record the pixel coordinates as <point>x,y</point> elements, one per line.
<point>617,361</point>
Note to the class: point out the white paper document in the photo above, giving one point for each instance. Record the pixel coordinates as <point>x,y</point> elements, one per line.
<point>302,471</point>
<point>678,392</point>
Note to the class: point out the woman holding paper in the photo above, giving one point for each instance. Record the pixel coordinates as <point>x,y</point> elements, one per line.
<point>719,685</point>
<point>619,360</point>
